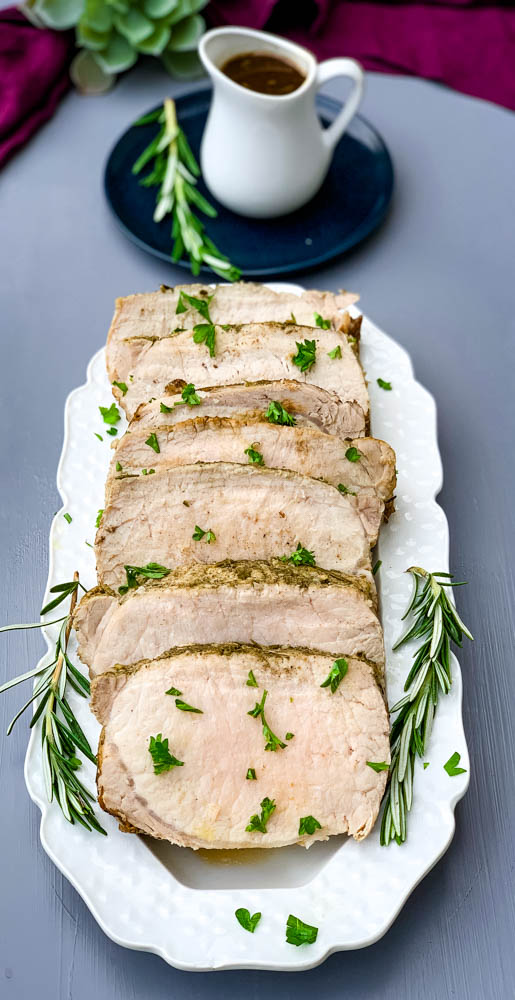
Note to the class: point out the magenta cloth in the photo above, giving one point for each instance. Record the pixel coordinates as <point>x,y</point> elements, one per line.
<point>468,47</point>
<point>33,77</point>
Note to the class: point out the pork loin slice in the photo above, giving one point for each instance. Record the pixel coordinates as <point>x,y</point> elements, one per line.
<point>309,404</point>
<point>155,313</point>
<point>255,513</point>
<point>301,449</point>
<point>270,603</point>
<point>208,802</point>
<point>251,353</point>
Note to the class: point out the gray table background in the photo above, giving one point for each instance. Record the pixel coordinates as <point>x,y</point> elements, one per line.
<point>439,277</point>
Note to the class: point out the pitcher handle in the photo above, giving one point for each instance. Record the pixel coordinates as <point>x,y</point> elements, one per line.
<point>341,66</point>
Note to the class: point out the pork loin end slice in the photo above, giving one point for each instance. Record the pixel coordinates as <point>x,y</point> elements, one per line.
<point>206,800</point>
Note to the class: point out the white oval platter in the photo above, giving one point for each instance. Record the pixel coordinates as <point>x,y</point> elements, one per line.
<point>179,903</point>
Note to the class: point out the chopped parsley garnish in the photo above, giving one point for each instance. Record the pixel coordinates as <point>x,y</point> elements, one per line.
<point>208,535</point>
<point>251,681</point>
<point>335,353</point>
<point>289,736</point>
<point>110,414</point>
<point>162,759</point>
<point>68,517</point>
<point>248,922</point>
<point>336,674</point>
<point>202,305</point>
<point>377,566</point>
<point>324,324</point>
<point>301,557</point>
<point>255,457</point>
<point>297,932</point>
<point>112,431</point>
<point>136,575</point>
<point>292,317</point>
<point>99,436</point>
<point>308,825</point>
<point>384,385</point>
<point>188,395</point>
<point>276,414</point>
<point>343,489</point>
<point>184,707</point>
<point>251,774</point>
<point>147,472</point>
<point>118,467</point>
<point>451,765</point>
<point>378,765</point>
<point>352,454</point>
<point>99,517</point>
<point>173,691</point>
<point>426,764</point>
<point>306,355</point>
<point>258,823</point>
<point>204,333</point>
<point>153,442</point>
<point>272,742</point>
<point>122,386</point>
<point>163,408</point>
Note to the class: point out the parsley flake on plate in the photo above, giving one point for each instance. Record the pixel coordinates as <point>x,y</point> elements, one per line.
<point>68,517</point>
<point>451,765</point>
<point>384,385</point>
<point>247,922</point>
<point>110,414</point>
<point>297,932</point>
<point>99,517</point>
<point>377,566</point>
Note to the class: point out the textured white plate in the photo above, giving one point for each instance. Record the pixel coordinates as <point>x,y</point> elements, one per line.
<point>180,904</point>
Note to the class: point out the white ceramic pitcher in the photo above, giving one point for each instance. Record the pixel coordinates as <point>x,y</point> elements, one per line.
<point>264,155</point>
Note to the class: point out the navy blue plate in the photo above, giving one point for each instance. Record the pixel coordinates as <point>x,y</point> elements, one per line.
<point>350,204</point>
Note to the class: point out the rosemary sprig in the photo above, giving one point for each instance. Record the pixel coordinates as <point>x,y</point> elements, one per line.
<point>437,624</point>
<point>61,734</point>
<point>175,172</point>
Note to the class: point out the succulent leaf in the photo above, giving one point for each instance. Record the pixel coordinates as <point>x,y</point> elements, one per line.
<point>117,56</point>
<point>59,14</point>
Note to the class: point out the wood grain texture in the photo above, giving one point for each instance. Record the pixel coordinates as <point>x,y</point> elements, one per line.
<point>438,277</point>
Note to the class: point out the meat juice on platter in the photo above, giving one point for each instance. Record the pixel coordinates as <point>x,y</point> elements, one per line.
<point>264,72</point>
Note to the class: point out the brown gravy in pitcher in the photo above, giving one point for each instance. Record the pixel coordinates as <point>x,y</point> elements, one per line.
<point>263,72</point>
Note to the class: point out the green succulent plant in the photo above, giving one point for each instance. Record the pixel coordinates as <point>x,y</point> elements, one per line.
<point>115,32</point>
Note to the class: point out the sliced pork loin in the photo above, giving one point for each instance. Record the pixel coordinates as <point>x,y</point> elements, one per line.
<point>365,467</point>
<point>250,353</point>
<point>270,603</point>
<point>155,314</point>
<point>206,800</point>
<point>254,513</point>
<point>310,405</point>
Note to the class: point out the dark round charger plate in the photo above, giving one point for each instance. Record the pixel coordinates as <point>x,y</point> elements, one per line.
<point>350,204</point>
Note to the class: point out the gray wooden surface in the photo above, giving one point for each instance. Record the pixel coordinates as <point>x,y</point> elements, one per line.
<point>439,277</point>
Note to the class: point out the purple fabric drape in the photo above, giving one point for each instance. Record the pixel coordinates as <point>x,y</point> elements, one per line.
<point>468,46</point>
<point>33,77</point>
